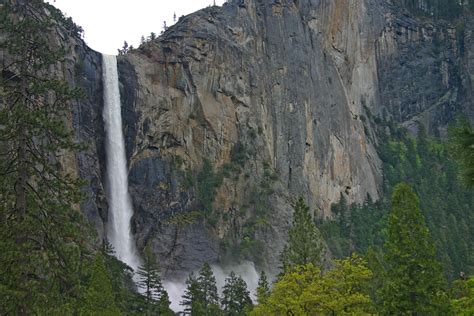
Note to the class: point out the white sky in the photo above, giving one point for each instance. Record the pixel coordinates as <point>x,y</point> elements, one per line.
<point>107,23</point>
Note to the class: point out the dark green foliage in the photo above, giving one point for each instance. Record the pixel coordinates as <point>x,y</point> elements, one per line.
<point>206,184</point>
<point>238,158</point>
<point>263,289</point>
<point>191,296</point>
<point>164,305</point>
<point>304,241</point>
<point>42,233</point>
<point>412,283</point>
<point>126,297</point>
<point>253,218</point>
<point>99,298</point>
<point>461,136</point>
<point>337,233</point>
<point>149,280</point>
<point>149,277</point>
<point>208,287</point>
<point>238,154</point>
<point>446,204</point>
<point>201,297</point>
<point>376,264</point>
<point>235,296</point>
<point>356,227</point>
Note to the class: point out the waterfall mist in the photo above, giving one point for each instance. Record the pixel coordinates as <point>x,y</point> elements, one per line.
<point>246,270</point>
<point>118,198</point>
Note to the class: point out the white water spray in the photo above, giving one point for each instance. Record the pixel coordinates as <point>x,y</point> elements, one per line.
<point>120,206</point>
<point>246,270</point>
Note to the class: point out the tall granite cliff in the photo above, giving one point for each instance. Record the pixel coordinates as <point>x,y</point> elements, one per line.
<point>236,110</point>
<point>255,77</point>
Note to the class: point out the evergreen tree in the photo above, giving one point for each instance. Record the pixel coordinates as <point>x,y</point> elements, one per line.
<point>125,48</point>
<point>304,241</point>
<point>192,298</point>
<point>235,296</point>
<point>201,297</point>
<point>263,289</point>
<point>164,305</point>
<point>42,233</point>
<point>208,288</point>
<point>123,285</point>
<point>413,282</point>
<point>150,281</point>
<point>99,298</point>
<point>462,146</point>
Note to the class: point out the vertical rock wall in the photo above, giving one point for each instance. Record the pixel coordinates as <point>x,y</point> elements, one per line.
<point>279,96</point>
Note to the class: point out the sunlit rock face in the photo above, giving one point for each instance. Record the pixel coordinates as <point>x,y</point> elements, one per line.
<point>280,98</point>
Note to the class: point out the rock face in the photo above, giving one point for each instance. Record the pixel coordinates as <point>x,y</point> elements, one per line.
<point>236,110</point>
<point>422,78</point>
<point>256,75</point>
<point>84,69</point>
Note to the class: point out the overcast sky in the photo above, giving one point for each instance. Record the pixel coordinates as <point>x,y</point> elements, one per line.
<point>107,23</point>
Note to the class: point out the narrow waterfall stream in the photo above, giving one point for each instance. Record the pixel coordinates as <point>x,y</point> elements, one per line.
<point>120,206</point>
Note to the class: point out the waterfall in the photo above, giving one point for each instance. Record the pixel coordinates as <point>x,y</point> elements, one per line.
<point>120,206</point>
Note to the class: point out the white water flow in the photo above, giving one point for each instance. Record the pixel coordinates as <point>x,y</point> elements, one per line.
<point>120,206</point>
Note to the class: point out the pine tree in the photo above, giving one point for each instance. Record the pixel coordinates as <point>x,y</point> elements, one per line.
<point>201,296</point>
<point>150,281</point>
<point>99,298</point>
<point>192,298</point>
<point>125,48</point>
<point>413,282</point>
<point>235,296</point>
<point>462,146</point>
<point>207,285</point>
<point>304,240</point>
<point>122,281</point>
<point>164,305</point>
<point>263,289</point>
<point>42,233</point>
